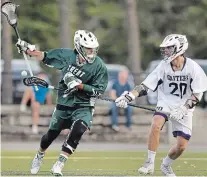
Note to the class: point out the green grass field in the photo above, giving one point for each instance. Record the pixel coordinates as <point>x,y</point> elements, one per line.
<point>101,163</point>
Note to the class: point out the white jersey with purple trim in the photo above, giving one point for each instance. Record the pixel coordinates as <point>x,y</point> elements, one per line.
<point>175,87</point>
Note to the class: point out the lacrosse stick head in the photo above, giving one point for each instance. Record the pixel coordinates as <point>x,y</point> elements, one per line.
<point>9,10</point>
<point>35,81</point>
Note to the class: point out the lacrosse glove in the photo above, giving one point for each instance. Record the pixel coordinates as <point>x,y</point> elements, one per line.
<point>23,46</point>
<point>179,113</point>
<point>124,99</point>
<point>71,81</point>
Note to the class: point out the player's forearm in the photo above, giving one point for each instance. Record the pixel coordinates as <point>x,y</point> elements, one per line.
<point>39,55</point>
<point>140,90</point>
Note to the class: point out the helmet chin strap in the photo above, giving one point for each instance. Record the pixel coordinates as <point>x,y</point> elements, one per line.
<point>171,58</point>
<point>90,56</point>
<point>80,59</point>
<point>83,59</point>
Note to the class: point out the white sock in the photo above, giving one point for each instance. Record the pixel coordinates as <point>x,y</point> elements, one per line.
<point>167,161</point>
<point>62,158</point>
<point>151,156</point>
<point>40,154</point>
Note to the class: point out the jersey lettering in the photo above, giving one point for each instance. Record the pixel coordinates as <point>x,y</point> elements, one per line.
<point>177,78</point>
<point>159,108</point>
<point>75,71</point>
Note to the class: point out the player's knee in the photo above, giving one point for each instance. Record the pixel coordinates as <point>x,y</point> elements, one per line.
<point>48,138</point>
<point>156,127</point>
<point>157,123</point>
<point>181,148</point>
<point>35,105</point>
<point>78,129</point>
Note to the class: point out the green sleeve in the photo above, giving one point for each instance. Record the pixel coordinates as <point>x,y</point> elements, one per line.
<point>99,83</point>
<point>55,58</point>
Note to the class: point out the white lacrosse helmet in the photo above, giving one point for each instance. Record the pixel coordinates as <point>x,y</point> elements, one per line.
<point>84,40</point>
<point>173,46</point>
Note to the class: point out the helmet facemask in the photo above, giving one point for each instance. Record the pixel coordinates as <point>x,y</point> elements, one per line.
<point>89,54</point>
<point>168,53</point>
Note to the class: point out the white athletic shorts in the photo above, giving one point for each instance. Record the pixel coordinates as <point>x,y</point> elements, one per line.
<point>183,128</point>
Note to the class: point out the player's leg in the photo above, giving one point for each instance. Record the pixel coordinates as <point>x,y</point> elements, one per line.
<point>114,117</point>
<point>82,119</point>
<point>55,128</point>
<point>128,114</point>
<point>182,134</point>
<point>26,97</point>
<point>173,154</point>
<point>35,116</point>
<point>153,143</point>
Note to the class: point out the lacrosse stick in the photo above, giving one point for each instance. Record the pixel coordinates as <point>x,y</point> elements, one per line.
<point>9,10</point>
<point>141,107</point>
<point>32,81</point>
<point>36,81</point>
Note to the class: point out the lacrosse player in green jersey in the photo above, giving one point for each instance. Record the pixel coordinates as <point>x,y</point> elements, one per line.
<point>84,72</point>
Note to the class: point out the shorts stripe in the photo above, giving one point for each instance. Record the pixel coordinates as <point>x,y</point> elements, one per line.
<point>161,114</point>
<point>180,133</point>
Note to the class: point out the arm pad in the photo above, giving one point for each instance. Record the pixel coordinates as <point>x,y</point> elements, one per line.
<point>141,90</point>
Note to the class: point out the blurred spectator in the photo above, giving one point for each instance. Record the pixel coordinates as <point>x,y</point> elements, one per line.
<point>118,87</point>
<point>37,98</point>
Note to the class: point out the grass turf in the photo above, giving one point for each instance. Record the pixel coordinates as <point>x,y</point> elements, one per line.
<point>101,163</point>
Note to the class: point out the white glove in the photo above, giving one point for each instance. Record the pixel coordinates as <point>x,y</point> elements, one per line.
<point>24,46</point>
<point>179,113</point>
<point>74,83</point>
<point>71,81</point>
<point>124,99</point>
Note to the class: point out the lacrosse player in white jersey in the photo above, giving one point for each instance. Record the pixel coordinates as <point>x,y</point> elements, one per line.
<point>180,83</point>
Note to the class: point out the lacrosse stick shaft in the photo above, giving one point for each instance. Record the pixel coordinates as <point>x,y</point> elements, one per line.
<point>133,105</point>
<point>9,10</point>
<point>142,107</point>
<point>25,56</point>
<point>55,88</point>
<point>16,32</point>
<point>29,68</point>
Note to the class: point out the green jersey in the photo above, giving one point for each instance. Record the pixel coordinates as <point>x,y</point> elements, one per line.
<point>94,76</point>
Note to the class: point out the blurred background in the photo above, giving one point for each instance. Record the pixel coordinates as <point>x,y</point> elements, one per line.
<point>129,33</point>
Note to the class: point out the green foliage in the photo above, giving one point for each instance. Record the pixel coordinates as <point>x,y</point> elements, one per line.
<point>39,24</point>
<point>165,17</point>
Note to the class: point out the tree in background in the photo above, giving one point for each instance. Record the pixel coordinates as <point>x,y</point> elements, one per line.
<point>107,19</point>
<point>134,60</point>
<point>65,26</point>
<point>6,55</point>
